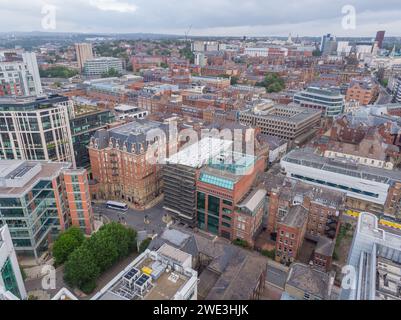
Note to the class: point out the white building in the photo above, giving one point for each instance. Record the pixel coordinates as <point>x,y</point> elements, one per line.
<point>98,66</point>
<point>36,129</point>
<point>358,181</point>
<point>165,274</point>
<point>20,78</point>
<point>11,283</point>
<point>374,263</point>
<point>257,52</point>
<point>343,48</point>
<point>200,59</point>
<point>397,90</point>
<point>126,111</point>
<point>29,59</point>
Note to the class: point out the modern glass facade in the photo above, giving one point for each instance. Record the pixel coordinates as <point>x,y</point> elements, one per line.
<point>32,217</point>
<point>36,130</point>
<point>213,210</point>
<point>330,101</point>
<point>83,127</point>
<point>9,279</point>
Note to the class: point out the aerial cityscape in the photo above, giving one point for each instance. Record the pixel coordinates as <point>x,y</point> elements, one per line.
<point>223,150</point>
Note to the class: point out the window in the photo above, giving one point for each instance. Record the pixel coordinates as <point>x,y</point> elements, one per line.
<point>8,275</point>
<point>201,201</point>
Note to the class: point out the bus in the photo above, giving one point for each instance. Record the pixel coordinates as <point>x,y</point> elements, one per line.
<point>117,206</point>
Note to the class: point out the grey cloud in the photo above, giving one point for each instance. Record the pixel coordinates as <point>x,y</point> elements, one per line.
<point>214,17</point>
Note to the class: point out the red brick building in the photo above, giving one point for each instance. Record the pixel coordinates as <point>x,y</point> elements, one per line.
<point>120,168</point>
<point>226,204</point>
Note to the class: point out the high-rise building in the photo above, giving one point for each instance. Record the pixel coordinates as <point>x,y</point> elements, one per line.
<point>11,283</point>
<point>380,38</point>
<point>98,66</point>
<point>29,59</point>
<point>86,121</point>
<point>36,129</point>
<point>328,44</point>
<point>84,52</point>
<point>38,199</point>
<point>20,76</point>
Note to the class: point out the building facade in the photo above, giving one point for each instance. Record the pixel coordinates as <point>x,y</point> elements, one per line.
<point>36,129</point>
<point>362,90</point>
<point>38,199</point>
<point>99,66</point>
<point>83,52</point>
<point>180,177</point>
<point>367,188</point>
<point>11,282</point>
<point>329,101</point>
<point>285,122</point>
<point>86,121</point>
<point>225,204</point>
<point>20,77</point>
<point>120,168</point>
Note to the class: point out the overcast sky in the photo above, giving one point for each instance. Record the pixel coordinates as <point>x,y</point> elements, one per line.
<point>207,17</point>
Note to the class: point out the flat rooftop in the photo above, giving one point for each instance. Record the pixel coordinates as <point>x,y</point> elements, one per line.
<point>307,157</point>
<point>199,153</point>
<point>19,176</point>
<point>151,277</point>
<point>289,113</point>
<point>136,127</point>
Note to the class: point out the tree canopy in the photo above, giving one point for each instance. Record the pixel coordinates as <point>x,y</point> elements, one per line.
<point>272,83</point>
<point>109,244</point>
<point>111,73</point>
<point>66,243</point>
<point>58,72</point>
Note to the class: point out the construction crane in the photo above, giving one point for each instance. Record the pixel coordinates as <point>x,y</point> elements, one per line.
<point>186,33</point>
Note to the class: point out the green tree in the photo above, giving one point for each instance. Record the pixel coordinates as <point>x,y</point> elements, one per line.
<point>58,72</point>
<point>234,80</point>
<point>269,253</point>
<point>111,73</point>
<point>187,53</point>
<point>108,245</point>
<point>272,83</point>
<point>316,53</point>
<point>66,243</point>
<point>164,65</point>
<point>81,269</point>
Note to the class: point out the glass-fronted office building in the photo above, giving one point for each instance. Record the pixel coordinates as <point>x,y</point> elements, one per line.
<point>36,129</point>
<point>330,101</point>
<point>34,203</point>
